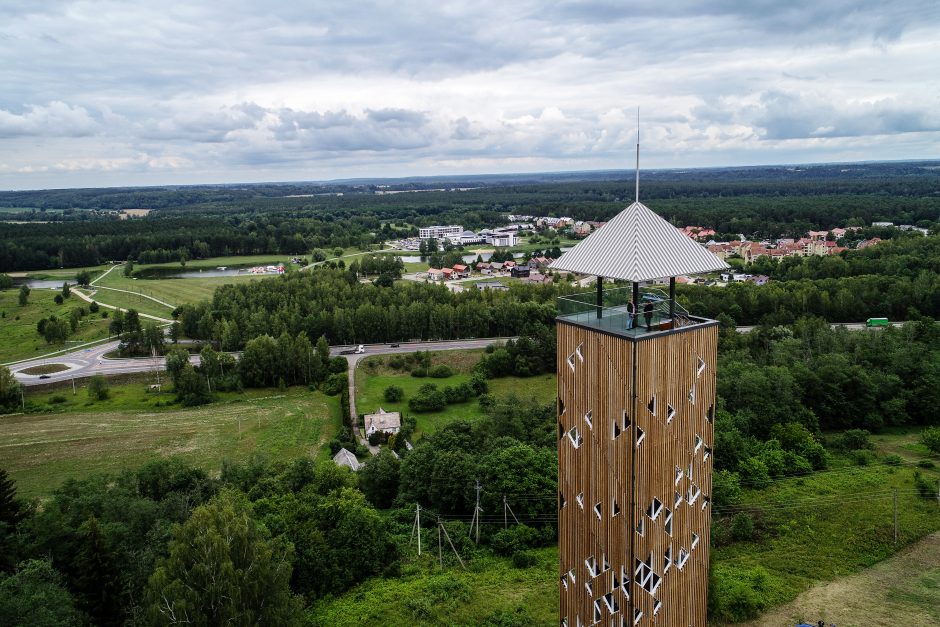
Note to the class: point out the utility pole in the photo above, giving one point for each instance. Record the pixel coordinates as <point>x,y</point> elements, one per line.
<point>440,555</point>
<point>73,386</point>
<point>440,527</point>
<point>506,508</point>
<point>476,513</point>
<point>417,526</point>
<point>895,517</point>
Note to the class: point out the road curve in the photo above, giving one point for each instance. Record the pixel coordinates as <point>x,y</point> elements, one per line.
<point>90,361</point>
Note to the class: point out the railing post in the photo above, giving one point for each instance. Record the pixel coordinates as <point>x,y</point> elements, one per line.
<point>672,302</point>
<point>600,296</point>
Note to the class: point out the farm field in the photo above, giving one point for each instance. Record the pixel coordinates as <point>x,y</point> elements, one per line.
<point>41,450</point>
<point>372,381</point>
<point>19,338</point>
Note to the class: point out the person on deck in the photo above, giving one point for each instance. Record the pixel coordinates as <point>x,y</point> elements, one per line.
<point>631,315</point>
<point>648,314</point>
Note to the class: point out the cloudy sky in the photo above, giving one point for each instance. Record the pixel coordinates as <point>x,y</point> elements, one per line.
<point>137,92</point>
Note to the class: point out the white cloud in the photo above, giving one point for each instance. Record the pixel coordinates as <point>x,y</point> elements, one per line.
<point>240,91</point>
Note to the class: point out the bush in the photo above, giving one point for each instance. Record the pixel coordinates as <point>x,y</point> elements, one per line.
<point>419,372</point>
<point>335,383</point>
<point>736,595</point>
<point>396,362</point>
<point>726,488</point>
<point>742,527</point>
<point>855,439</point>
<point>57,399</point>
<point>514,540</point>
<point>926,488</point>
<point>523,559</point>
<point>479,384</point>
<point>931,439</point>
<point>93,307</point>
<point>862,457</point>
<point>393,394</point>
<point>98,388</point>
<point>458,394</point>
<point>893,460</point>
<point>926,463</point>
<point>428,398</point>
<point>754,473</point>
<point>440,372</point>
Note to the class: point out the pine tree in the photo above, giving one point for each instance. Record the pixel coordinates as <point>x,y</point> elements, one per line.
<point>11,510</point>
<point>98,583</point>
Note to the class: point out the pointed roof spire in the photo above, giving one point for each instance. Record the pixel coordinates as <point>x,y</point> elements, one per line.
<point>638,245</point>
<point>636,198</point>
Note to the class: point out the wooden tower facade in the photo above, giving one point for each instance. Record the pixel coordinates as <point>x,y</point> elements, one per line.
<point>636,397</point>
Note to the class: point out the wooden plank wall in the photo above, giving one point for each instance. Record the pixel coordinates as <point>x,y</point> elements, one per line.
<point>601,468</point>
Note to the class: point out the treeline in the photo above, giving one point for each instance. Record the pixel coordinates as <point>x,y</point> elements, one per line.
<point>333,303</point>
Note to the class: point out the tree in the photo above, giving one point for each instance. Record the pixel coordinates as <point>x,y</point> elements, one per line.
<point>128,268</point>
<point>35,596</point>
<point>66,290</point>
<point>931,439</point>
<point>378,479</point>
<point>394,394</point>
<point>93,307</point>
<point>6,281</point>
<point>176,332</point>
<point>24,294</point>
<point>98,584</point>
<point>58,299</point>
<point>9,390</point>
<point>191,387</point>
<point>223,569</point>
<point>83,277</point>
<point>98,388</point>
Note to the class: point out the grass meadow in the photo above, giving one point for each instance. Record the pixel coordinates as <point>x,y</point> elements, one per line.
<point>71,436</point>
<point>19,338</point>
<point>374,375</point>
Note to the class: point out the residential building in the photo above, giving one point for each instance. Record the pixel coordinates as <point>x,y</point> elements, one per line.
<point>491,285</point>
<point>519,271</point>
<point>439,232</point>
<point>345,458</point>
<point>385,421</point>
<point>636,408</point>
<point>461,271</point>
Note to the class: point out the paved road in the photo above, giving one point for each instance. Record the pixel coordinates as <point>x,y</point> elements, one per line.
<point>91,361</point>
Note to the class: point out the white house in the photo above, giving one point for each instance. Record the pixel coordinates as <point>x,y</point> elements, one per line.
<point>387,421</point>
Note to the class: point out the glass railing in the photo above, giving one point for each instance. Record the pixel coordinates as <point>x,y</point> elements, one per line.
<point>654,314</point>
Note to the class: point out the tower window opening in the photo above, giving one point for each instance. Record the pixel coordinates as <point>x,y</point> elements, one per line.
<point>575,436</point>
<point>561,501</point>
<point>561,406</point>
<point>667,525</point>
<point>597,510</point>
<point>589,419</point>
<point>591,565</point>
<point>640,527</point>
<point>694,493</point>
<point>683,558</point>
<point>708,453</point>
<point>654,509</point>
<point>701,367</point>
<point>667,560</point>
<point>670,414</point>
<point>597,611</point>
<point>580,499</point>
<point>678,500</point>
<point>580,352</point>
<point>657,606</point>
<point>698,442</point>
<point>639,436</point>
<point>678,475</point>
<point>614,508</point>
<point>694,540</point>
<point>692,395</point>
<point>652,405</point>
<point>705,502</point>
<point>616,430</point>
<point>637,615</point>
<point>571,362</point>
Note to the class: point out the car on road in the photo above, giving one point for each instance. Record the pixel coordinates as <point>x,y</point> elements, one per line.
<point>394,345</point>
<point>44,376</point>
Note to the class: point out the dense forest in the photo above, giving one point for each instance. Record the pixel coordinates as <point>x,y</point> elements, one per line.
<point>202,221</point>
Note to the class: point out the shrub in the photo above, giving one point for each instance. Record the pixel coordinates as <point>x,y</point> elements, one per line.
<point>736,595</point>
<point>396,362</point>
<point>440,372</point>
<point>854,439</point>
<point>98,388</point>
<point>57,399</point>
<point>419,372</point>
<point>726,488</point>
<point>754,473</point>
<point>862,457</point>
<point>516,539</point>
<point>479,384</point>
<point>93,307</point>
<point>931,439</point>
<point>335,383</point>
<point>428,398</point>
<point>742,527</point>
<point>523,559</point>
<point>893,460</point>
<point>926,488</point>
<point>393,394</point>
<point>926,463</point>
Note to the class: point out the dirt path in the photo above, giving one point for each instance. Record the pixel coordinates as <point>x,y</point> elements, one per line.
<point>902,590</point>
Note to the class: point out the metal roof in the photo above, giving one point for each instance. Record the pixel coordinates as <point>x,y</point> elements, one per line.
<point>638,245</point>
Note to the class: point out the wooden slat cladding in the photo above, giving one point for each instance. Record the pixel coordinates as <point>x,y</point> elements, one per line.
<point>595,388</point>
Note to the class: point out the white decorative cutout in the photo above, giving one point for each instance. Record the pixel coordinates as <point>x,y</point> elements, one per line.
<point>694,540</point>
<point>698,442</point>
<point>701,367</point>
<point>597,510</point>
<point>683,558</point>
<point>692,395</point>
<point>639,436</point>
<point>575,436</point>
<point>654,509</point>
<point>678,500</point>
<point>589,419</point>
<point>667,524</point>
<point>580,499</point>
<point>678,475</point>
<point>579,351</point>
<point>667,561</point>
<point>670,414</point>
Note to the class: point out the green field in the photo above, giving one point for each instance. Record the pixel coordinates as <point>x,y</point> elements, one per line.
<point>487,592</point>
<point>371,381</point>
<point>61,273</point>
<point>211,263</point>
<point>19,338</point>
<point>809,530</point>
<point>128,301</point>
<point>40,450</point>
<point>169,290</point>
